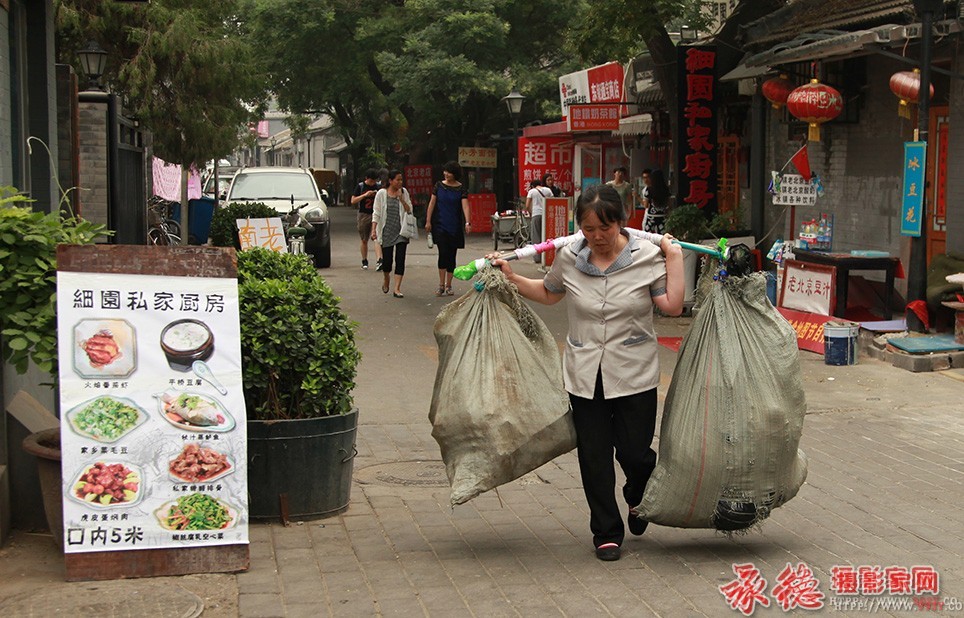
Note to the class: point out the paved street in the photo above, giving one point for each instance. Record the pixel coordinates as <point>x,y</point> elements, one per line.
<point>886,451</point>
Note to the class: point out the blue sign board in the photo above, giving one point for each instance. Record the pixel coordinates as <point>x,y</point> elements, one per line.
<point>912,201</point>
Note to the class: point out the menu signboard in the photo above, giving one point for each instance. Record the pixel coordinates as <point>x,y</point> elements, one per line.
<point>153,431</point>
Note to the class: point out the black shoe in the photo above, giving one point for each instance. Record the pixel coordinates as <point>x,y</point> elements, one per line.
<point>608,552</point>
<point>637,525</point>
<point>364,264</point>
<point>378,265</point>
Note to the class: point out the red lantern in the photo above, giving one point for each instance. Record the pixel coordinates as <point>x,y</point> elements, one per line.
<point>777,89</point>
<point>906,85</point>
<point>815,103</point>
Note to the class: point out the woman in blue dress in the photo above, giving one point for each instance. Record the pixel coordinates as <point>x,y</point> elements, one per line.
<point>447,220</point>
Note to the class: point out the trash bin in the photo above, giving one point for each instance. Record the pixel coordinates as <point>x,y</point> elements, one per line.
<point>200,212</point>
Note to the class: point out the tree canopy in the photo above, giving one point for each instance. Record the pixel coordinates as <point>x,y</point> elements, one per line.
<point>187,68</point>
<point>424,74</point>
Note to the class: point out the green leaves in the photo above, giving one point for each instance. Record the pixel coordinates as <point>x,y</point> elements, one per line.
<point>28,255</point>
<point>298,350</point>
<point>224,227</point>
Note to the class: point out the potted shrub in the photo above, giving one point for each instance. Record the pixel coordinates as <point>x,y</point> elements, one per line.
<point>689,223</point>
<point>299,361</point>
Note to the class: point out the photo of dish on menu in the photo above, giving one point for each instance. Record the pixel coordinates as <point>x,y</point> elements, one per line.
<point>194,411</point>
<point>153,438</point>
<point>104,348</point>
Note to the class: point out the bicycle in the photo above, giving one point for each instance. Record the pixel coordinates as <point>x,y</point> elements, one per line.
<point>162,228</point>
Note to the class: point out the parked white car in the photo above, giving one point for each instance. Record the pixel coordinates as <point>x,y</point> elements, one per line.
<point>284,188</point>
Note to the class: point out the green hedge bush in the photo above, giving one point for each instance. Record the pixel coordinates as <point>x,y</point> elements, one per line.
<point>298,349</point>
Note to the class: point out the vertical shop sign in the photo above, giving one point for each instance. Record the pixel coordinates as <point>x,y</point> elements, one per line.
<point>539,156</point>
<point>150,384</point>
<point>912,202</point>
<point>555,222</point>
<point>697,127</point>
<point>418,182</point>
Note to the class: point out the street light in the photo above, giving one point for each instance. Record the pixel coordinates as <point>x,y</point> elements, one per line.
<point>687,34</point>
<point>513,101</point>
<point>94,60</point>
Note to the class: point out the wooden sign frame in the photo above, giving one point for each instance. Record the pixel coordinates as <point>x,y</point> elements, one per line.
<point>796,265</point>
<point>186,261</point>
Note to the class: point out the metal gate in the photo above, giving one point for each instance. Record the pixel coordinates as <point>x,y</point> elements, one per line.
<point>127,178</point>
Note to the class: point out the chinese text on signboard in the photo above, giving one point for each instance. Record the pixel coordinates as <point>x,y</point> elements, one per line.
<point>418,181</point>
<point>545,155</point>
<point>265,233</point>
<point>473,156</point>
<point>697,139</point>
<point>795,191</point>
<point>153,456</point>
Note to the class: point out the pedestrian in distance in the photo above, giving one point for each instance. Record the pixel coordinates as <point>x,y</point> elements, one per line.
<point>390,205</point>
<point>550,182</point>
<point>364,197</point>
<point>447,220</point>
<point>610,362</point>
<point>658,203</point>
<point>647,183</point>
<point>623,188</point>
<point>536,205</point>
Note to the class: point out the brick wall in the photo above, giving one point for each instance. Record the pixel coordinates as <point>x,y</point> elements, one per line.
<point>93,160</point>
<point>861,169</point>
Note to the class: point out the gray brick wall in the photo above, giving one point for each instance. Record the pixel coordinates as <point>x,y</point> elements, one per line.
<point>861,169</point>
<point>93,161</point>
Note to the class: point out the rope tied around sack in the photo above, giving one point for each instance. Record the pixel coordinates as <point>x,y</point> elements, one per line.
<point>495,282</point>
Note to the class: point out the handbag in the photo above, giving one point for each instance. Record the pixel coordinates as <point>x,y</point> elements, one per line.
<point>409,226</point>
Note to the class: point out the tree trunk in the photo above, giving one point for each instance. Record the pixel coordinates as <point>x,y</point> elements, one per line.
<point>184,222</point>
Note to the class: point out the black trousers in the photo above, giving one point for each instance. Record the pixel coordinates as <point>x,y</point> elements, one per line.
<point>626,425</point>
<point>394,253</point>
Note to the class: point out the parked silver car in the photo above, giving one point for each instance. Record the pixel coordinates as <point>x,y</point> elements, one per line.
<point>283,188</point>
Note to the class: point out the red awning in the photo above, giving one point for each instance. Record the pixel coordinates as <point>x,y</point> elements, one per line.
<point>552,129</point>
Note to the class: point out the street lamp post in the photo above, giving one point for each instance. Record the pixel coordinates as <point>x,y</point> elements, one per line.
<point>513,101</point>
<point>94,60</point>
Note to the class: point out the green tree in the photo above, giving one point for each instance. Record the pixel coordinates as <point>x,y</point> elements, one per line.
<point>186,68</point>
<point>424,74</point>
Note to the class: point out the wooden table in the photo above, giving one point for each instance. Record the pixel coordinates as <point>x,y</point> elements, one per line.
<point>844,263</point>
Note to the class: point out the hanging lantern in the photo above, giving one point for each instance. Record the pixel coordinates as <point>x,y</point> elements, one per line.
<point>815,103</point>
<point>906,85</point>
<point>777,89</point>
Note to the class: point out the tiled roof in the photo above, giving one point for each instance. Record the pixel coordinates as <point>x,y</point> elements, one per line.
<point>815,15</point>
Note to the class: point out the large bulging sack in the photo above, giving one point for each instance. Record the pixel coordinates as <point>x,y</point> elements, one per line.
<point>499,409</point>
<point>728,441</point>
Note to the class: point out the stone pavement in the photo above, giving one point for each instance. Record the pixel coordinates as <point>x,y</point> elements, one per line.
<point>886,453</point>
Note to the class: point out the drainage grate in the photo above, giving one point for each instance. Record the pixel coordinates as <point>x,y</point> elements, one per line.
<point>405,473</point>
<point>117,599</point>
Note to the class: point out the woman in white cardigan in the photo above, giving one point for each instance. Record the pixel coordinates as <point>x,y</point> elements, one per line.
<point>390,205</point>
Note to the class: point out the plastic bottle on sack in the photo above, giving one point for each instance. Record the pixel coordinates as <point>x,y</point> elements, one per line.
<point>430,243</point>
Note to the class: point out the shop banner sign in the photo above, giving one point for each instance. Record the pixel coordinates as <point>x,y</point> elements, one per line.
<point>698,106</point>
<point>264,233</point>
<point>912,203</point>
<point>593,117</point>
<point>600,84</point>
<point>473,156</point>
<point>418,182</point>
<point>539,156</point>
<point>809,328</point>
<point>153,431</point>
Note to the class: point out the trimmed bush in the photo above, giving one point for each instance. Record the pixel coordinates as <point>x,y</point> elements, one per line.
<point>224,226</point>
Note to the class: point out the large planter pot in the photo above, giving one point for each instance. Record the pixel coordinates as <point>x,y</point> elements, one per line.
<point>45,445</point>
<point>307,460</point>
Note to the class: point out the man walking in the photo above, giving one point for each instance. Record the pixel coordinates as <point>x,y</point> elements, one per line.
<point>364,198</point>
